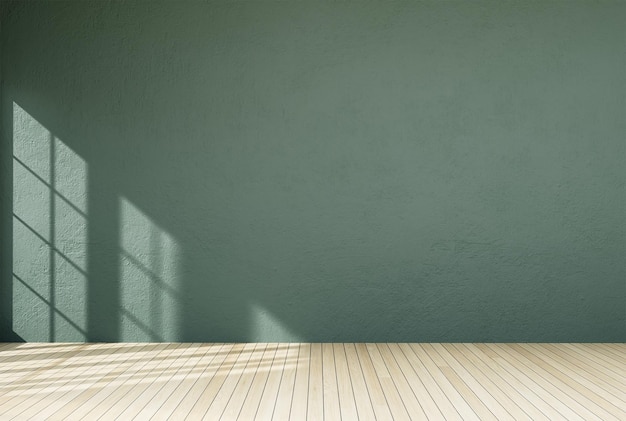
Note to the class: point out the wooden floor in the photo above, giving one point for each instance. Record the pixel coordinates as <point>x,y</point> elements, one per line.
<point>339,381</point>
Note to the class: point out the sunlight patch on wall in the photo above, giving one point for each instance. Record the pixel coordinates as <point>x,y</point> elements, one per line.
<point>266,327</point>
<point>148,278</point>
<point>49,234</point>
<point>70,237</point>
<point>31,172</point>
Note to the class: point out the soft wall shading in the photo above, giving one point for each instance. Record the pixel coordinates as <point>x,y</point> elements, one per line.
<point>282,171</point>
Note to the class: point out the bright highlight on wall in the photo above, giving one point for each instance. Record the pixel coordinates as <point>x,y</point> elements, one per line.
<point>49,234</point>
<point>148,278</point>
<point>265,325</point>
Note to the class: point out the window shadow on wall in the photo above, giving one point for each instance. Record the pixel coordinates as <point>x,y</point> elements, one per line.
<point>50,234</point>
<point>87,265</point>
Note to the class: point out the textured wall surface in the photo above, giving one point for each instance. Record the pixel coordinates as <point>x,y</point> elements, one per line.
<point>276,171</point>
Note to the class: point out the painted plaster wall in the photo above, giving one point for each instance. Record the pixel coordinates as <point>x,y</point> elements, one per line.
<point>296,171</point>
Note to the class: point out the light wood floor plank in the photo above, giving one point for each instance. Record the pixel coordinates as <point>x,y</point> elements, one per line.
<point>239,354</point>
<point>16,353</point>
<point>115,391</point>
<point>529,394</point>
<point>392,396</point>
<point>239,393</point>
<point>475,394</point>
<point>446,387</point>
<point>85,379</point>
<point>155,388</point>
<point>603,392</point>
<point>22,368</point>
<point>200,371</point>
<point>470,373</point>
<point>246,364</point>
<point>19,374</point>
<point>270,393</point>
<point>613,375</point>
<point>128,400</point>
<point>614,360</point>
<point>38,392</point>
<point>566,383</point>
<point>169,381</point>
<point>556,388</point>
<point>90,398</point>
<point>155,403</point>
<point>344,383</point>
<point>548,392</point>
<point>253,398</point>
<point>444,404</point>
<point>365,412</point>
<point>599,405</point>
<point>617,350</point>
<point>510,400</point>
<point>5,346</point>
<point>598,356</point>
<point>15,399</point>
<point>375,391</point>
<point>410,401</point>
<point>330,392</point>
<point>285,392</point>
<point>470,397</point>
<point>213,374</point>
<point>415,382</point>
<point>616,345</point>
<point>315,408</point>
<point>299,401</point>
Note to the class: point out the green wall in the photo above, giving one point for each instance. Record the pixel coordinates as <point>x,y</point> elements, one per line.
<point>328,171</point>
